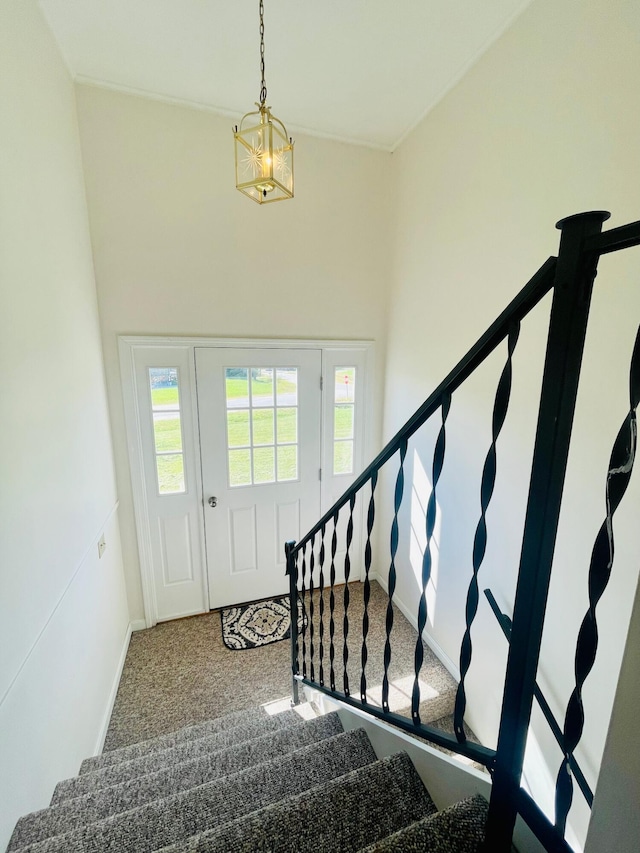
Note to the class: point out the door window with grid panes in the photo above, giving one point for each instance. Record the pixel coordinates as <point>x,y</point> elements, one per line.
<point>262,424</point>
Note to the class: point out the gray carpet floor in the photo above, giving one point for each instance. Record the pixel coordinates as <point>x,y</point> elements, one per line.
<point>379,799</point>
<point>244,779</point>
<point>180,672</point>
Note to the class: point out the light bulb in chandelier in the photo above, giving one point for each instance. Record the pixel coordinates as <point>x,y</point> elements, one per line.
<point>263,149</point>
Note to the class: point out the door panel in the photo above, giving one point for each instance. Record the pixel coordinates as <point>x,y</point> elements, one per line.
<point>243,539</point>
<point>176,549</point>
<point>164,401</point>
<point>260,419</point>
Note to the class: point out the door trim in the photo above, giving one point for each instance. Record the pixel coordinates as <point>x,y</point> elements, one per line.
<point>127,347</point>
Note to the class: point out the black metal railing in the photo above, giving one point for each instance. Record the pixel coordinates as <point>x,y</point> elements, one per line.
<point>569,278</point>
<point>505,623</point>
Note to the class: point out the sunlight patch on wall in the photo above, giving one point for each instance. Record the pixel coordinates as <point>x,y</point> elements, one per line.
<point>420,493</point>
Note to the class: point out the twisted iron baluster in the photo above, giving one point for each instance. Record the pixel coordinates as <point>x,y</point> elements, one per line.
<point>397,500</point>
<point>311,606</point>
<point>430,523</point>
<point>297,644</point>
<point>371,514</point>
<point>618,476</point>
<point>321,595</point>
<point>332,601</point>
<point>500,407</point>
<point>304,608</point>
<point>347,572</point>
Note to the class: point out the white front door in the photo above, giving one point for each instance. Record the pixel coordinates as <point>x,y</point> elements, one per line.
<point>260,421</point>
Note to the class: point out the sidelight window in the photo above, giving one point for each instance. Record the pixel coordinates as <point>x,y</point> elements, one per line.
<point>167,429</point>
<point>343,419</point>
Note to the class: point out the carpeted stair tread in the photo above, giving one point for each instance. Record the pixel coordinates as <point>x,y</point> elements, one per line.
<point>71,815</point>
<point>174,819</point>
<point>456,829</point>
<point>186,751</point>
<point>340,816</point>
<point>232,720</point>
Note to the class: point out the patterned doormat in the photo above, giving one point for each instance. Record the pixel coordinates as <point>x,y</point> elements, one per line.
<point>249,626</point>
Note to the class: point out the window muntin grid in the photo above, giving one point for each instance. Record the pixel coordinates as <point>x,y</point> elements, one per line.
<point>262,425</point>
<point>344,390</point>
<point>167,430</point>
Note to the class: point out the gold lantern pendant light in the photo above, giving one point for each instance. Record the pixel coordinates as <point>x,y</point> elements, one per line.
<point>264,152</point>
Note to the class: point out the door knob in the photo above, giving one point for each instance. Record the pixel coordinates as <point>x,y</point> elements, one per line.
<point>213,501</point>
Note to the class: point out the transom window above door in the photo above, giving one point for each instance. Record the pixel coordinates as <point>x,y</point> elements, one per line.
<point>262,424</point>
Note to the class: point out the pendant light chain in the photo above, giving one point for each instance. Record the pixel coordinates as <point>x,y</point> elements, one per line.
<point>263,88</point>
<point>263,148</point>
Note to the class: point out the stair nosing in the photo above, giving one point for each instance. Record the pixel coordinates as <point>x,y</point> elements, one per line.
<point>315,723</point>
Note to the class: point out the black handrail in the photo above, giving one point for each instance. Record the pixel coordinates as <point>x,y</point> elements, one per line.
<point>575,275</point>
<point>540,824</point>
<point>615,239</point>
<point>535,290</point>
<point>619,472</point>
<point>474,751</point>
<point>570,277</point>
<point>505,625</point>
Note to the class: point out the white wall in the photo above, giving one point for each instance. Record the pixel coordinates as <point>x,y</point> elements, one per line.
<point>546,124</point>
<point>63,614</point>
<point>179,251</point>
<point>616,820</point>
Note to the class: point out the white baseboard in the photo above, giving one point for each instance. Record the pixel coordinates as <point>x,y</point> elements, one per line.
<point>138,625</point>
<point>113,692</point>
<point>443,657</point>
<point>412,619</point>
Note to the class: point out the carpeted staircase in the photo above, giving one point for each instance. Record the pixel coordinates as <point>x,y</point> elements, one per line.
<point>250,783</point>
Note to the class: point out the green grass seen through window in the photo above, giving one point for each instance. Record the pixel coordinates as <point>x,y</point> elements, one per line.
<point>168,434</point>
<point>165,396</point>
<point>238,426</point>
<point>170,473</point>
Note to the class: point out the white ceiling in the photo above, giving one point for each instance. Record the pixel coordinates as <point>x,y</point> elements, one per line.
<point>364,71</point>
